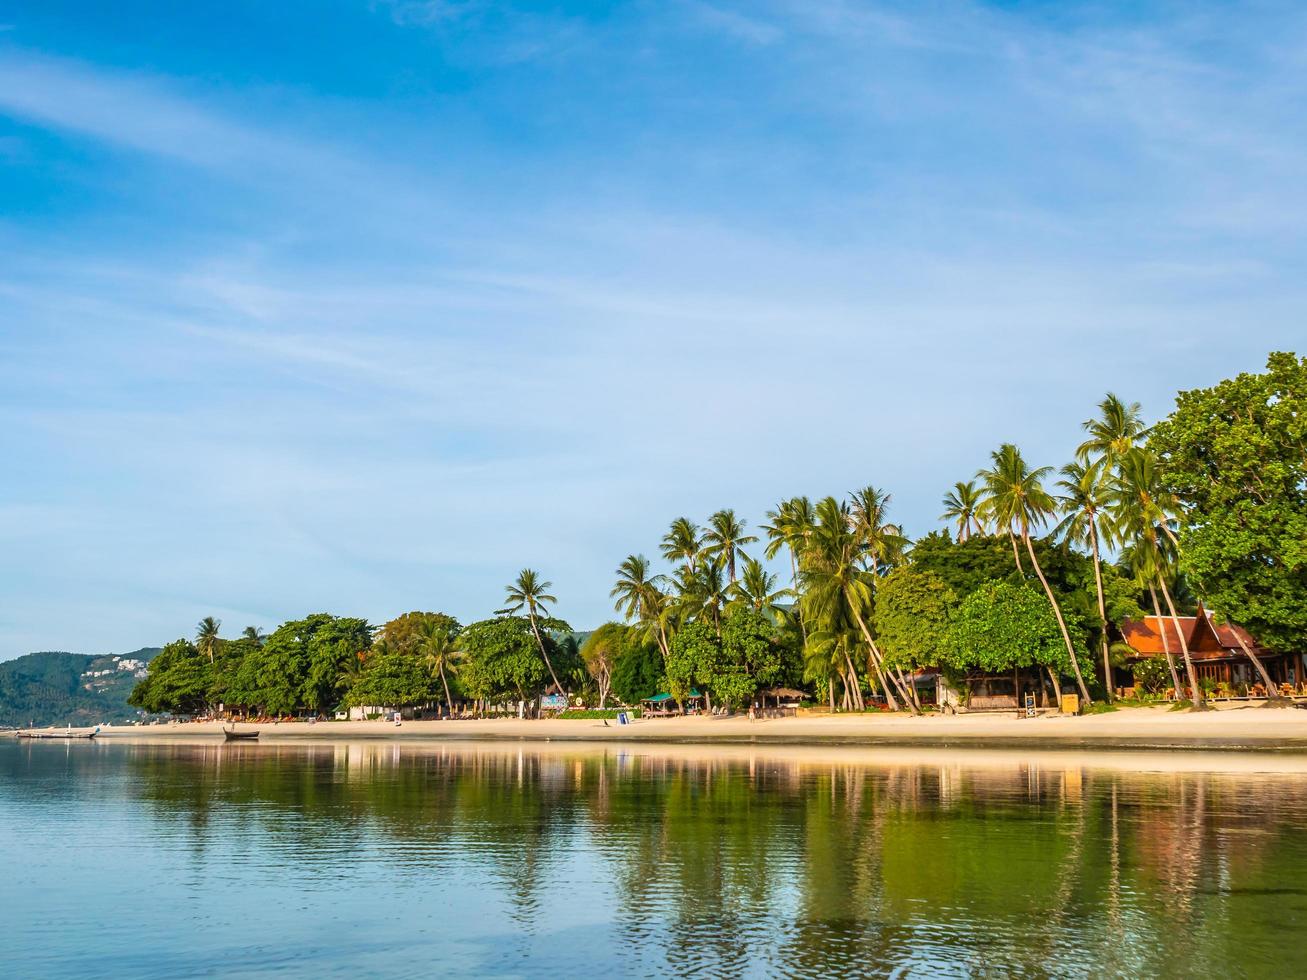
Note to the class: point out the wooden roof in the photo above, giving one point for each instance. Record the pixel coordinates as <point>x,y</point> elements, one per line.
<point>1206,639</point>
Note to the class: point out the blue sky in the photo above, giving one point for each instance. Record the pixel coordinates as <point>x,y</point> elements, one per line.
<point>363,305</point>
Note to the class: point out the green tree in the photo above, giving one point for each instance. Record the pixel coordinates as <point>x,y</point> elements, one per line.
<point>682,543</point>
<point>881,543</point>
<point>1086,503</point>
<point>503,659</point>
<point>600,653</point>
<point>837,593</point>
<point>724,540</point>
<point>1144,509</point>
<point>1235,456</point>
<point>528,593</point>
<point>756,591</point>
<point>913,610</point>
<point>637,671</point>
<point>788,527</point>
<point>1117,429</point>
<point>392,679</point>
<point>178,681</point>
<point>206,636</point>
<point>962,507</point>
<point>640,598</point>
<point>406,633</point>
<point>1004,626</point>
<point>439,648</point>
<point>1015,499</point>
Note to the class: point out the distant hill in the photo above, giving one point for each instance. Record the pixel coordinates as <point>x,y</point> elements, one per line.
<point>53,688</point>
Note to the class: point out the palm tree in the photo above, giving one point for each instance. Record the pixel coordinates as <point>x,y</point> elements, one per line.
<point>837,590</point>
<point>1114,433</point>
<point>723,539</point>
<point>702,593</point>
<point>881,542</point>
<point>1144,510</point>
<point>682,543</point>
<point>439,649</point>
<point>756,590</point>
<point>528,593</point>
<point>961,505</point>
<point>1087,505</point>
<point>788,527</point>
<point>1144,563</point>
<point>206,636</point>
<point>1015,499</point>
<point>641,599</point>
<point>254,634</point>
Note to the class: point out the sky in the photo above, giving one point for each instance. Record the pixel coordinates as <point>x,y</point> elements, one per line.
<point>362,306</point>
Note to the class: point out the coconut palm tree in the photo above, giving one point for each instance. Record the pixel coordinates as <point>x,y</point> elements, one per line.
<point>1145,565</point>
<point>1144,510</point>
<point>837,590</point>
<point>440,652</point>
<point>254,634</point>
<point>703,593</point>
<point>724,538</point>
<point>882,543</point>
<point>788,527</point>
<point>1086,504</point>
<point>756,590</point>
<point>1015,499</point>
<point>528,593</point>
<point>1116,431</point>
<point>683,543</point>
<point>206,636</point>
<point>641,599</point>
<point>962,505</point>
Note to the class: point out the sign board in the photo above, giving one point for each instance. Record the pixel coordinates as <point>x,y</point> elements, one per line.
<point>1030,706</point>
<point>553,702</point>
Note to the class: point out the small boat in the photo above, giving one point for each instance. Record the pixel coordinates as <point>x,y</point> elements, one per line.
<point>231,735</point>
<point>60,735</point>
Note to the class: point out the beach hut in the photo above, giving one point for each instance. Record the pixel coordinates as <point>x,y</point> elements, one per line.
<point>791,696</point>
<point>662,705</point>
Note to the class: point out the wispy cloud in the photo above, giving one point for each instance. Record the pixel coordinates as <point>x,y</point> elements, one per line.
<point>545,280</point>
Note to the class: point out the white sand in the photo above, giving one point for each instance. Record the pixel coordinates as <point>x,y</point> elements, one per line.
<point>1246,727</point>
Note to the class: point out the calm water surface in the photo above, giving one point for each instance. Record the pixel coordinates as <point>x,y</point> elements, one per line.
<point>136,860</point>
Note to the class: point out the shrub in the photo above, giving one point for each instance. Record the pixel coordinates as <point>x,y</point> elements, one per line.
<point>583,713</point>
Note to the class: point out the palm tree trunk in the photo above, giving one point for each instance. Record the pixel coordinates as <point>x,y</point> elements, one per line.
<point>852,682</point>
<point>1057,611</point>
<point>1102,607</point>
<point>875,652</point>
<point>1057,688</point>
<point>911,688</point>
<point>884,684</point>
<point>1272,692</point>
<point>1016,555</point>
<point>540,640</point>
<point>1199,703</point>
<point>830,689</point>
<point>794,586</point>
<point>1166,643</point>
<point>449,702</point>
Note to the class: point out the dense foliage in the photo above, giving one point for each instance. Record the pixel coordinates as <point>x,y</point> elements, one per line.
<point>1235,457</point>
<point>56,688</point>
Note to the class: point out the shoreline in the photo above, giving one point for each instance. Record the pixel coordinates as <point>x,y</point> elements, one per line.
<point>1244,728</point>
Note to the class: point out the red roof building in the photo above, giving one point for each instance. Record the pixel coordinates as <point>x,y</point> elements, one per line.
<point>1219,650</point>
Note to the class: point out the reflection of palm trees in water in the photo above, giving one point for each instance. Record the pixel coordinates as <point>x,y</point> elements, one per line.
<point>716,856</point>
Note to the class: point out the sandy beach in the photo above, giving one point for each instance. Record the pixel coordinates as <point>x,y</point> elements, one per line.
<point>1246,727</point>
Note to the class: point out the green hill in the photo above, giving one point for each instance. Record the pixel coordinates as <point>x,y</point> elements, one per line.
<point>53,688</point>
